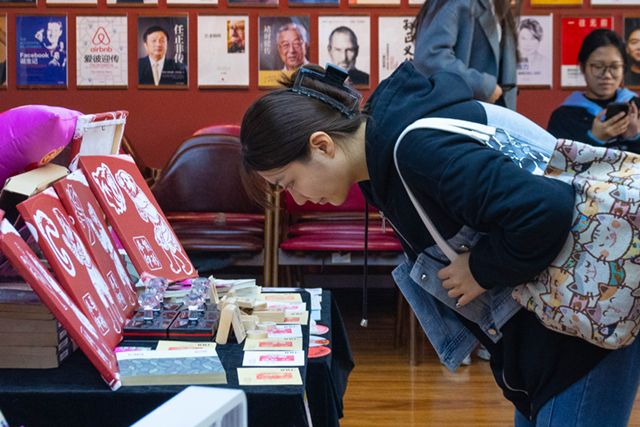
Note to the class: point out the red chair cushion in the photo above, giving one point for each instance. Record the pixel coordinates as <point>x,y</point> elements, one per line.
<point>233,130</point>
<point>319,242</point>
<point>339,227</point>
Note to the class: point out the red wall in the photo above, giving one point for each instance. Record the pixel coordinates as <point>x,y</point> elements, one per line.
<point>160,119</point>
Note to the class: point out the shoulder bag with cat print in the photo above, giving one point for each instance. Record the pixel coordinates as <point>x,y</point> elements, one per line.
<point>592,289</point>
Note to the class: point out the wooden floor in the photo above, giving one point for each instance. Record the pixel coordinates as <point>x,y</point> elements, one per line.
<point>384,390</point>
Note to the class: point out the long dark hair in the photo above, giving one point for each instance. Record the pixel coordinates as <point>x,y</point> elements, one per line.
<point>276,128</point>
<point>430,8</point>
<point>600,38</point>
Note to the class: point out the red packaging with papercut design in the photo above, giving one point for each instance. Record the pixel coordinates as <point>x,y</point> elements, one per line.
<point>136,217</point>
<point>78,325</point>
<point>81,204</point>
<point>72,264</point>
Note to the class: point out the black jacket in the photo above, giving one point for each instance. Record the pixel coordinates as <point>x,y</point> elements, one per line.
<point>173,73</point>
<point>461,182</point>
<point>574,121</point>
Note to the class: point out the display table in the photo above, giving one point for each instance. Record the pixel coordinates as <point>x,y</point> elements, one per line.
<point>75,395</point>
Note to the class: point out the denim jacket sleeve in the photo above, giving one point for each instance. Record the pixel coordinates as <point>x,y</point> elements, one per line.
<point>525,218</point>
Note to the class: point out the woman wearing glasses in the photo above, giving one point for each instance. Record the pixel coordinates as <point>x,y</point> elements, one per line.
<point>583,115</point>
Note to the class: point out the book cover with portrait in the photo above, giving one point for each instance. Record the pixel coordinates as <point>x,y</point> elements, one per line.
<point>41,50</point>
<point>163,51</point>
<point>345,41</point>
<point>283,47</point>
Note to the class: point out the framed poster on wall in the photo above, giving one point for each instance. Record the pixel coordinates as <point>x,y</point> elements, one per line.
<point>345,41</point>
<point>163,51</point>
<point>574,30</point>
<point>41,50</point>
<point>283,46</point>
<point>3,51</point>
<point>535,46</point>
<point>335,3</point>
<point>18,3</point>
<point>632,40</point>
<point>374,2</point>
<point>132,2</point>
<point>394,43</point>
<point>71,2</point>
<point>253,3</point>
<point>550,3</point>
<point>615,2</point>
<point>223,51</point>
<point>192,2</point>
<point>101,51</point>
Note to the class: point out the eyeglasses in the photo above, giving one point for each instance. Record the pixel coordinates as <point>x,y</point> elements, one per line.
<point>601,69</point>
<point>297,44</point>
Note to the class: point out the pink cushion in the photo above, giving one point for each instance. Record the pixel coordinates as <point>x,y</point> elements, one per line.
<point>32,135</point>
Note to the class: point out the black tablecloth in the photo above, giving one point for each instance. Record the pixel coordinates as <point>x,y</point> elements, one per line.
<point>75,395</point>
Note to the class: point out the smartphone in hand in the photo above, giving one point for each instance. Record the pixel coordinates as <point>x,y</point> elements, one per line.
<point>615,108</point>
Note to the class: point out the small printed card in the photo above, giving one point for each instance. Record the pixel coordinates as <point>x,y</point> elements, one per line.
<point>282,297</point>
<point>285,305</point>
<point>273,344</point>
<point>285,331</point>
<point>273,358</point>
<point>269,376</point>
<point>296,317</point>
<point>183,345</point>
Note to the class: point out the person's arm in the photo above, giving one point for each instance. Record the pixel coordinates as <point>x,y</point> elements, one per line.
<point>435,43</point>
<point>573,123</point>
<point>526,217</point>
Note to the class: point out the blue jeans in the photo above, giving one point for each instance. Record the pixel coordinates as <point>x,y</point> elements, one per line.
<point>603,397</point>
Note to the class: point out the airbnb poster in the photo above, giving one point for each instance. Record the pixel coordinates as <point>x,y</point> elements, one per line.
<point>101,51</point>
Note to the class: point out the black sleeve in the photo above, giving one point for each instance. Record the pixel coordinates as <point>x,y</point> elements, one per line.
<point>526,217</point>
<point>573,123</point>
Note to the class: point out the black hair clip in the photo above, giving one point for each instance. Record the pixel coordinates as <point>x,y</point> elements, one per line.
<point>339,96</point>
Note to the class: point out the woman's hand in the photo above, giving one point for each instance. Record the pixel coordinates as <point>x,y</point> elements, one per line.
<point>616,125</point>
<point>457,278</point>
<point>497,93</point>
<point>634,122</point>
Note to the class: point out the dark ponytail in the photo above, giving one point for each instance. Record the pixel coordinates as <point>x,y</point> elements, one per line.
<point>276,128</point>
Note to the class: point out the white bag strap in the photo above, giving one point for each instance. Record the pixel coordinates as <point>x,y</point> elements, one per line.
<point>479,132</point>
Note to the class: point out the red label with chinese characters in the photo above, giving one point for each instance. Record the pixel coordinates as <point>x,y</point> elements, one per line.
<point>81,204</point>
<point>79,326</point>
<point>74,267</point>
<point>136,217</point>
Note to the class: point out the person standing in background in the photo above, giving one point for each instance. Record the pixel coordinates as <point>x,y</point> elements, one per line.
<point>476,39</point>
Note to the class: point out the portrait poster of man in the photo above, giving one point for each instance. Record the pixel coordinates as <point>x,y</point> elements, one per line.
<point>3,51</point>
<point>394,43</point>
<point>18,2</point>
<point>283,46</point>
<point>253,3</point>
<point>632,40</point>
<point>163,51</point>
<point>416,2</point>
<point>314,2</point>
<point>535,45</point>
<point>193,2</point>
<point>614,2</point>
<point>535,3</point>
<point>374,2</point>
<point>41,50</point>
<point>132,2</point>
<point>101,51</point>
<point>72,2</point>
<point>574,30</point>
<point>345,41</point>
<point>223,51</point>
